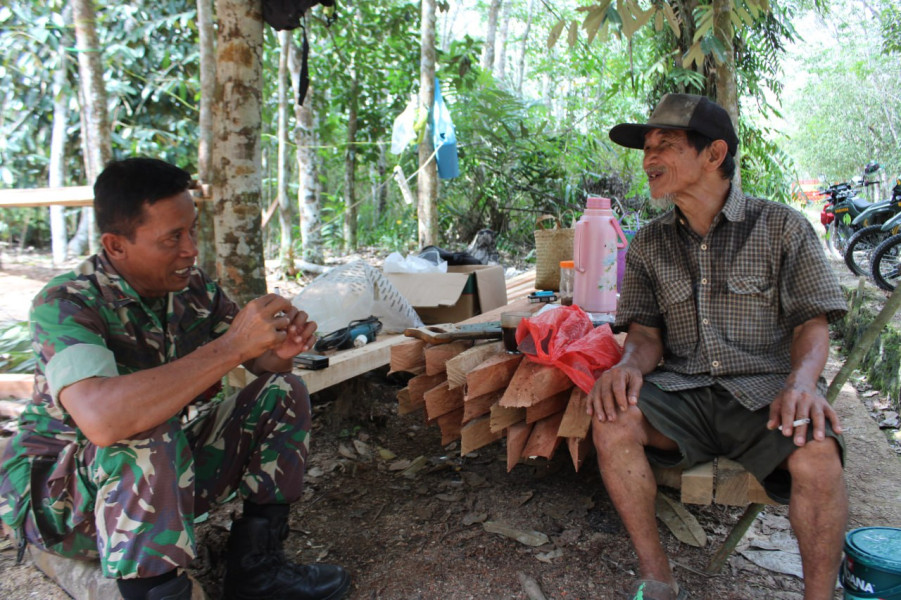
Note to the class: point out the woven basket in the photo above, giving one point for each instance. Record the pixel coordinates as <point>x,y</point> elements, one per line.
<point>551,246</point>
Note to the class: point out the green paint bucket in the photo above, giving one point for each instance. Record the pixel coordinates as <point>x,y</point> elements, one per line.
<point>872,566</point>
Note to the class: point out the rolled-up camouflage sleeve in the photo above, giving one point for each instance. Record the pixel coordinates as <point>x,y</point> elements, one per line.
<point>69,342</point>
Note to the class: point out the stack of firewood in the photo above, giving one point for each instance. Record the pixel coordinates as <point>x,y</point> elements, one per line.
<point>478,394</point>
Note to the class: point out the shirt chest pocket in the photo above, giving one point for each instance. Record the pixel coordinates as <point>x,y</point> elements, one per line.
<point>677,303</point>
<point>750,312</point>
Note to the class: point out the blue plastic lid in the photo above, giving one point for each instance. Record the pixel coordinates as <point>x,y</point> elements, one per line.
<point>876,546</point>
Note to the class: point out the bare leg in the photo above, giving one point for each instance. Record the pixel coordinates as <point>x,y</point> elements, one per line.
<point>630,483</point>
<point>819,513</point>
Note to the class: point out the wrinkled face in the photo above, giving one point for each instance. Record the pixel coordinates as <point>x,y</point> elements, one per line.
<point>161,257</point>
<point>671,163</point>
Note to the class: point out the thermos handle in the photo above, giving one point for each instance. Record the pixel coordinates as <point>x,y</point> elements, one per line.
<point>577,247</point>
<point>622,242</point>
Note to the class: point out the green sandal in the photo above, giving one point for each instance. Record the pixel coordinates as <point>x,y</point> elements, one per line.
<point>650,589</point>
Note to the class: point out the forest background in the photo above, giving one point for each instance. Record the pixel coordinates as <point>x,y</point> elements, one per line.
<point>533,87</point>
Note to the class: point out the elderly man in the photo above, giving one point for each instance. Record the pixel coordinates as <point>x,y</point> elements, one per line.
<point>726,300</point>
<point>107,462</point>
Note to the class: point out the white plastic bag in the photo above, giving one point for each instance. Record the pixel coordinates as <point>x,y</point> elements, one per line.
<point>404,131</point>
<point>397,263</point>
<point>354,291</point>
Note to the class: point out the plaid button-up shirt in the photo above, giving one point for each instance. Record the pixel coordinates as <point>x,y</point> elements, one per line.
<point>727,303</point>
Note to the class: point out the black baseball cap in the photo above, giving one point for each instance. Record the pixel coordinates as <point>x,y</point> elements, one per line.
<point>687,112</point>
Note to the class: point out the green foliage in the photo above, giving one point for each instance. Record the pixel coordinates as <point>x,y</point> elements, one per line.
<point>16,355</point>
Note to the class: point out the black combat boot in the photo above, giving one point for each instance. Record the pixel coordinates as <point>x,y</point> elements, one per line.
<point>169,586</point>
<point>257,569</point>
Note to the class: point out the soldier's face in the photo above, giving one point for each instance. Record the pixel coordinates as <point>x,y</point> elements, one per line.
<point>161,257</point>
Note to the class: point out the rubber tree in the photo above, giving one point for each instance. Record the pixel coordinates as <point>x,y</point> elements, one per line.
<point>96,142</point>
<point>427,179</point>
<point>206,237</point>
<point>237,156</point>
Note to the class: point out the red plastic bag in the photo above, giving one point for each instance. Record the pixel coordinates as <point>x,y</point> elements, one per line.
<point>565,338</point>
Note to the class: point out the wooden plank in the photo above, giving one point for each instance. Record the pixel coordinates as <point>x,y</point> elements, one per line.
<point>517,437</point>
<point>697,484</point>
<point>579,450</point>
<point>502,417</point>
<point>450,425</point>
<point>458,366</point>
<point>82,195</point>
<point>16,385</point>
<point>440,400</point>
<point>345,364</point>
<point>407,357</point>
<point>548,406</point>
<point>533,382</point>
<point>731,486</point>
<point>480,405</point>
<point>436,357</point>
<point>477,434</point>
<point>492,375</point>
<point>544,439</point>
<point>576,422</point>
<point>11,409</point>
<point>521,286</point>
<point>668,477</point>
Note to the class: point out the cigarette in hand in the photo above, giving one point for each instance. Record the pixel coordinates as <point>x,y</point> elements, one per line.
<point>280,313</point>
<point>797,423</point>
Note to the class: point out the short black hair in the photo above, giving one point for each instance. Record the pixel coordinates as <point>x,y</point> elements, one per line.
<point>699,141</point>
<point>124,186</point>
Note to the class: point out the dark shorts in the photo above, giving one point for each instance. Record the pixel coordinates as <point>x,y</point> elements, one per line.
<point>709,422</point>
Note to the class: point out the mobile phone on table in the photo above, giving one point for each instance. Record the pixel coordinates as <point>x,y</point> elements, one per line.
<point>312,362</point>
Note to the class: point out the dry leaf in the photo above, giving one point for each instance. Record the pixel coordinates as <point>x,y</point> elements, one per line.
<point>681,522</point>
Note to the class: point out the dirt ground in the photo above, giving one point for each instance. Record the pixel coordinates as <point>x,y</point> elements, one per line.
<point>424,537</point>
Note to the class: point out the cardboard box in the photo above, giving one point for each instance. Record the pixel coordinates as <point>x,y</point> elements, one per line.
<point>464,291</point>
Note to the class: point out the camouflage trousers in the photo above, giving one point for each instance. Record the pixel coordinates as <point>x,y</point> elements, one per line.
<point>133,504</point>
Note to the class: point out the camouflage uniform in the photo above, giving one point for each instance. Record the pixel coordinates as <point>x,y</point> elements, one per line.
<point>133,504</point>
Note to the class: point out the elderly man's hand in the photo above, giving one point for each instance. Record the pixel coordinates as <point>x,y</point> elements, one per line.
<point>798,407</point>
<point>615,390</point>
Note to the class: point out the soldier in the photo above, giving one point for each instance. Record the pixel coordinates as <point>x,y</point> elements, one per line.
<point>106,462</point>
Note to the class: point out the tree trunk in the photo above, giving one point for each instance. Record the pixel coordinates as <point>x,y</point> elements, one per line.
<point>308,184</point>
<point>286,247</point>
<point>350,166</point>
<point>206,235</point>
<point>500,51</point>
<point>237,159</point>
<point>427,180</point>
<point>380,193</point>
<point>525,45</point>
<point>96,134</point>
<point>726,87</point>
<point>57,166</point>
<point>488,53</point>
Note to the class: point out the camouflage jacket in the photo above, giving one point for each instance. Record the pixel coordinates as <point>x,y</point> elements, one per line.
<point>91,323</point>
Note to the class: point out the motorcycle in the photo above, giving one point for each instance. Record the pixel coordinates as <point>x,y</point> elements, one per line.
<point>843,205</point>
<point>863,243</point>
<point>886,258</point>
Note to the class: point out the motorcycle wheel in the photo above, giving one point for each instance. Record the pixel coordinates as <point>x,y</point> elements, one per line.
<point>886,265</point>
<point>838,237</point>
<point>861,246</point>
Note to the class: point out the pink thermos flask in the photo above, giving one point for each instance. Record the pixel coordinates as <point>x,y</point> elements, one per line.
<point>597,238</point>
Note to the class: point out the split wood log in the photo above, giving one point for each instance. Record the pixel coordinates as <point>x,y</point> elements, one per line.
<point>439,401</point>
<point>491,375</point>
<point>579,450</point>
<point>407,357</point>
<point>737,487</point>
<point>576,421</point>
<point>544,439</point>
<point>458,366</point>
<point>476,434</point>
<point>533,382</point>
<point>517,438</point>
<point>480,405</point>
<point>450,426</point>
<point>503,417</point>
<point>548,406</point>
<point>668,477</point>
<point>420,384</point>
<point>436,356</point>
